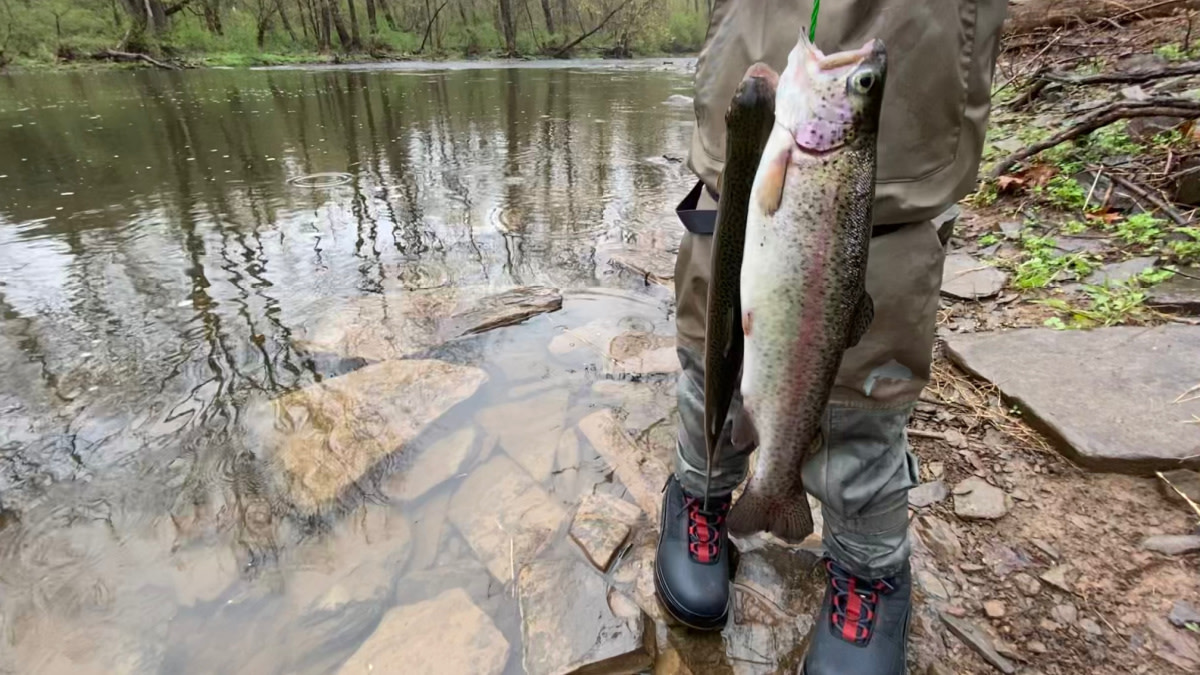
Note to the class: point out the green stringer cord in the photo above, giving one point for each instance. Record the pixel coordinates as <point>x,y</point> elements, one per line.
<point>812,23</point>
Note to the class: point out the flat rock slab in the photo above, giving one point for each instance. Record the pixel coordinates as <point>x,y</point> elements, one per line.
<point>927,494</point>
<point>327,436</point>
<point>569,623</point>
<point>1118,272</point>
<point>968,278</point>
<point>529,430</point>
<point>976,499</point>
<point>642,474</point>
<point>1172,544</point>
<point>652,265</point>
<point>1104,396</point>
<point>979,641</point>
<point>601,525</point>
<point>505,516</point>
<point>641,353</point>
<point>447,635</point>
<point>435,465</point>
<point>775,597</point>
<point>1179,293</point>
<point>393,326</point>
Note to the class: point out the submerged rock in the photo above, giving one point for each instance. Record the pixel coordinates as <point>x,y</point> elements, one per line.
<point>435,465</point>
<point>601,526</point>
<point>529,430</point>
<point>642,353</point>
<point>327,436</point>
<point>1127,420</point>
<point>642,474</point>
<point>505,516</point>
<point>569,624</point>
<point>651,265</point>
<point>447,635</point>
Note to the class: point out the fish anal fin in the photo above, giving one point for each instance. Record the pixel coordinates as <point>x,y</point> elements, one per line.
<point>864,314</point>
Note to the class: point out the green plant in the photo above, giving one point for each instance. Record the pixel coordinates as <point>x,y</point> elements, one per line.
<point>1186,251</point>
<point>1155,275</point>
<point>1041,264</point>
<point>1140,228</point>
<point>1062,191</point>
<point>1073,227</point>
<point>1169,140</point>
<point>985,195</point>
<point>1173,51</point>
<point>989,239</point>
<point>1107,305</point>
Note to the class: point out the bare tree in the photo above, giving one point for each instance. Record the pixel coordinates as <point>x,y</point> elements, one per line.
<point>372,21</point>
<point>508,24</point>
<point>549,16</point>
<point>355,37</point>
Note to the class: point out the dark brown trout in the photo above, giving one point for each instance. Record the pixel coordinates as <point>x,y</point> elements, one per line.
<point>748,123</point>
<point>804,299</point>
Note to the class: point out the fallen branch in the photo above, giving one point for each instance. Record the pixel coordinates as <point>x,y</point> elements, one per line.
<point>1131,77</point>
<point>429,26</point>
<point>570,45</point>
<point>921,433</point>
<point>1034,14</point>
<point>130,56</point>
<point>1139,191</point>
<point>1194,505</point>
<point>1172,107</point>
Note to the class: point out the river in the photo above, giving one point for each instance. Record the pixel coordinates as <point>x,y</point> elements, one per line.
<point>186,257</point>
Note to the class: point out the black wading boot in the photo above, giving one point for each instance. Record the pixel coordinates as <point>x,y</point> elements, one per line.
<point>692,566</point>
<point>863,627</point>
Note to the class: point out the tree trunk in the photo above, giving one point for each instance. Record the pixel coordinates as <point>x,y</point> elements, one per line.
<point>549,16</point>
<point>283,18</point>
<point>508,24</point>
<point>335,16</point>
<point>212,18</point>
<point>372,20</point>
<point>387,13</point>
<point>355,36</point>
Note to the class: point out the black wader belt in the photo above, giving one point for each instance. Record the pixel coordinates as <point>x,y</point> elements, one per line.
<point>704,222</point>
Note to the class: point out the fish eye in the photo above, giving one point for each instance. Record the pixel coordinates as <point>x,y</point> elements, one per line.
<point>863,81</point>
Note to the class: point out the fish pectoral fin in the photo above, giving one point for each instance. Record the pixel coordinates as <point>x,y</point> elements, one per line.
<point>863,315</point>
<point>770,193</point>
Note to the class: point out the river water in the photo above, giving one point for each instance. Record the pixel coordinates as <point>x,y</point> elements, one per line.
<point>172,247</point>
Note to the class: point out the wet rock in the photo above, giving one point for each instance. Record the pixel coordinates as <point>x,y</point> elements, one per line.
<point>601,526</point>
<point>568,624</point>
<point>994,609</point>
<point>940,537</point>
<point>927,494</point>
<point>429,524</point>
<point>640,473</point>
<point>945,221</point>
<point>1046,547</point>
<point>468,574</point>
<point>529,430</point>
<point>1187,185</point>
<point>446,635</point>
<point>327,436</point>
<point>433,466</point>
<point>503,309</point>
<point>1027,584</point>
<point>976,499</point>
<point>650,265</point>
<point>1081,244</point>
<point>1091,627</point>
<point>979,641</point>
<point>1127,422</point>
<point>505,516</point>
<point>1183,614</point>
<point>1011,229</point>
<point>642,353</point>
<point>775,596</point>
<point>1172,544</point>
<point>1115,273</point>
<point>1175,646</point>
<point>1057,577</point>
<point>1179,293</point>
<point>967,278</point>
<point>1065,614</point>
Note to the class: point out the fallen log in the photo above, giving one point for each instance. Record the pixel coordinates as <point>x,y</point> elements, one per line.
<point>114,55</point>
<point>1031,15</point>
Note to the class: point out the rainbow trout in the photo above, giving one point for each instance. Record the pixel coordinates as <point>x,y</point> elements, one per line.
<point>748,123</point>
<point>803,293</point>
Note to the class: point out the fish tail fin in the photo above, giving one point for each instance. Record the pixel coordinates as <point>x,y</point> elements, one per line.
<point>786,515</point>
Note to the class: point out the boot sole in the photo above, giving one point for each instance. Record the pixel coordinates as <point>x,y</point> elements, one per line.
<point>664,601</point>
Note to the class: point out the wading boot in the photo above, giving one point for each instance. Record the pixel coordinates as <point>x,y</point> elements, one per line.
<point>863,626</point>
<point>692,566</point>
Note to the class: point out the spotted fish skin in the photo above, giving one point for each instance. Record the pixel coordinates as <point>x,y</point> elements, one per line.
<point>803,294</point>
<point>748,123</point>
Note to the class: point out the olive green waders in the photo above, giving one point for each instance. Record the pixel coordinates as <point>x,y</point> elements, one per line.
<point>941,55</point>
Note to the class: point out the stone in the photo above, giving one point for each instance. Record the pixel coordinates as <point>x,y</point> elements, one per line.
<point>529,430</point>
<point>1048,625</point>
<point>932,584</point>
<point>936,668</point>
<point>506,518</point>
<point>776,593</point>
<point>649,264</point>
<point>1118,272</point>
<point>447,635</point>
<point>568,624</point>
<point>1179,293</point>
<point>498,310</point>
<point>1144,129</point>
<point>642,474</point>
<point>1091,627</point>
<point>601,526</point>
<point>1027,584</point>
<point>967,278</point>
<point>1175,646</point>
<point>1036,646</point>
<point>978,640</point>
<point>1172,544</point>
<point>1183,614</point>
<point>1046,547</point>
<point>1181,480</point>
<point>1057,577</point>
<point>994,609</point>
<point>429,523</point>
<point>432,466</point>
<point>927,494</point>
<point>1065,614</point>
<point>940,537</point>
<point>976,499</point>
<point>1011,228</point>
<point>642,353</point>
<point>325,437</point>
<point>1094,245</point>
<point>1127,421</point>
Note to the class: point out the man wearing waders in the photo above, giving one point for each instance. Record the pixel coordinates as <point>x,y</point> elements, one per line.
<point>941,56</point>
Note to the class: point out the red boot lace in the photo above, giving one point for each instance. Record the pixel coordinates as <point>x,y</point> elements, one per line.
<point>854,602</point>
<point>704,529</point>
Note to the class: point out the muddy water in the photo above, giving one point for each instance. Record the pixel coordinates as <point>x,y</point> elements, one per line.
<point>171,243</point>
